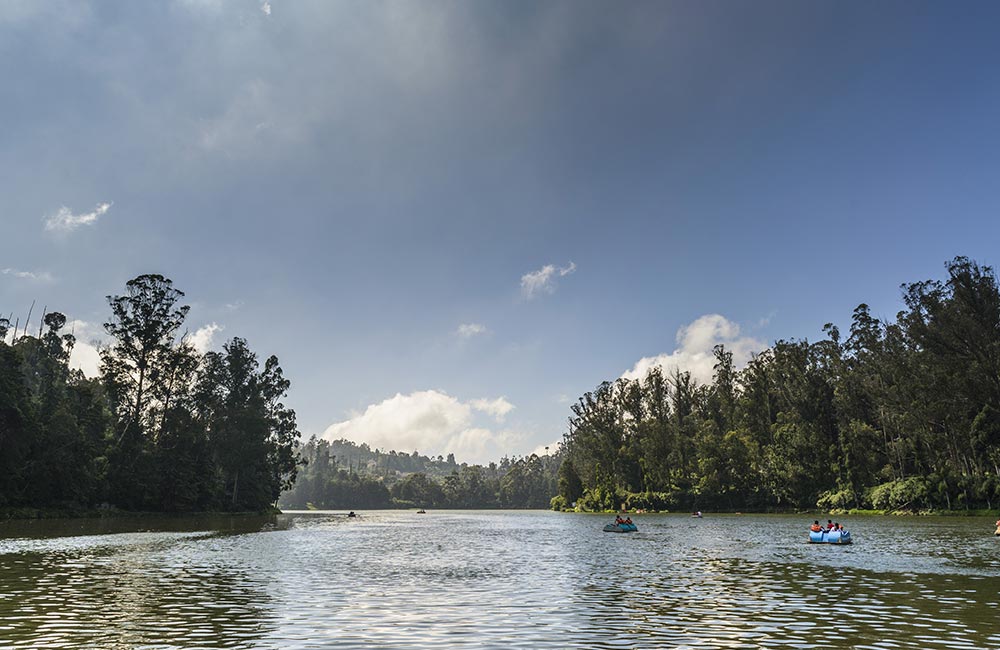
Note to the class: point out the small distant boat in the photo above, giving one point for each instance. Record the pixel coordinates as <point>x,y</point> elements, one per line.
<point>832,537</point>
<point>421,512</point>
<point>696,515</point>
<point>351,514</point>
<point>621,528</point>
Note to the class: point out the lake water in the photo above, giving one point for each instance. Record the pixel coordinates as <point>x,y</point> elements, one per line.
<point>497,580</point>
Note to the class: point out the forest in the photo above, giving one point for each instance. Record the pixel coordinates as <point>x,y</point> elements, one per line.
<point>342,474</point>
<point>163,428</point>
<point>895,415</point>
<point>900,415</point>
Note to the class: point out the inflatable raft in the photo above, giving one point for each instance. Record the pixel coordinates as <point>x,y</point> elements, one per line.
<point>620,528</point>
<point>832,537</point>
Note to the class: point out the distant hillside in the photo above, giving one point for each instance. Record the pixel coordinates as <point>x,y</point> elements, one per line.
<point>344,474</point>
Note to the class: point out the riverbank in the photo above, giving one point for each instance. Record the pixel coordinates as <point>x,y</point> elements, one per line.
<point>854,512</point>
<point>8,514</point>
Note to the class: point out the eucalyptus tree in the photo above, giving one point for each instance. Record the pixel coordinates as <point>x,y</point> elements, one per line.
<point>252,435</point>
<point>136,368</point>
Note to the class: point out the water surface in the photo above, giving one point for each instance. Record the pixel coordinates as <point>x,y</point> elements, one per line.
<point>496,579</point>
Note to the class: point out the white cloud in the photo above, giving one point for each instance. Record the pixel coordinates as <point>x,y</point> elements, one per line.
<point>498,407</point>
<point>547,450</point>
<point>43,276</point>
<point>694,351</point>
<point>468,330</point>
<point>86,355</point>
<point>65,221</point>
<point>431,422</point>
<point>201,340</point>
<point>544,279</point>
<point>266,8</point>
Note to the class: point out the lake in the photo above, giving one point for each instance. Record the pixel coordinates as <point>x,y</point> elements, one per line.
<point>461,579</point>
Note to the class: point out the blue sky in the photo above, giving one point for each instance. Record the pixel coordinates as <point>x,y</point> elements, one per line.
<point>448,219</point>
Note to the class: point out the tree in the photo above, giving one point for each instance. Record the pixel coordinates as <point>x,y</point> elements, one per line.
<point>138,369</point>
<point>252,435</point>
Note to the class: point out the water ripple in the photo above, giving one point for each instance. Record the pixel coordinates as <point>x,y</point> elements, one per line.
<point>512,580</point>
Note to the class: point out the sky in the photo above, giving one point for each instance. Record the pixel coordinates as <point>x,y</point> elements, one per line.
<point>450,219</point>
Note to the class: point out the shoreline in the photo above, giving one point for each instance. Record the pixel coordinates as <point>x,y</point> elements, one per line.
<point>27,514</point>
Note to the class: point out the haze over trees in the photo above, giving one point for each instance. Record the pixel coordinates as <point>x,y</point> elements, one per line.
<point>901,414</point>
<point>163,428</point>
<point>342,474</point>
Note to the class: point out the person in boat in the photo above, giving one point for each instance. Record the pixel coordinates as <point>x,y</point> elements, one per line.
<point>628,520</point>
<point>829,525</point>
<point>619,520</point>
<point>816,528</point>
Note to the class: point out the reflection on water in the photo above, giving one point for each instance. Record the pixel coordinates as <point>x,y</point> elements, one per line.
<point>510,579</point>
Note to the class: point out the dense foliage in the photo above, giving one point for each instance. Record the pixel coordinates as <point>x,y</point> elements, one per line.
<point>163,428</point>
<point>341,474</point>
<point>901,415</point>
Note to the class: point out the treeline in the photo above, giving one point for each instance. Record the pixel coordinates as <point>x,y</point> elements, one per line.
<point>360,457</point>
<point>368,479</point>
<point>896,415</point>
<point>163,428</point>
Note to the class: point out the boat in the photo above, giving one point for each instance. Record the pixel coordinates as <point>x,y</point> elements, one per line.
<point>421,512</point>
<point>621,528</point>
<point>696,515</point>
<point>832,537</point>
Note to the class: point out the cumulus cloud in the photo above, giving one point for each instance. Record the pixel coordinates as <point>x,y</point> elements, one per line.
<point>86,354</point>
<point>265,7</point>
<point>549,449</point>
<point>694,352</point>
<point>202,338</point>
<point>468,330</point>
<point>498,407</point>
<point>65,221</point>
<point>543,280</point>
<point>44,276</point>
<point>431,422</point>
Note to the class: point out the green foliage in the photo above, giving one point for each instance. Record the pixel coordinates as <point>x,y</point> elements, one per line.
<point>897,415</point>
<point>903,494</point>
<point>837,500</point>
<point>164,428</point>
<point>570,485</point>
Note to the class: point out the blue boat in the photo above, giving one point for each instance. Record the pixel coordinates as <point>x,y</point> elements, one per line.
<point>620,528</point>
<point>832,537</point>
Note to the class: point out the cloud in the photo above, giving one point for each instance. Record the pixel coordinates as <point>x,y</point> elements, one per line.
<point>543,280</point>
<point>498,407</point>
<point>201,340</point>
<point>86,354</point>
<point>43,276</point>
<point>694,351</point>
<point>65,221</point>
<point>468,330</point>
<point>431,422</point>
<point>265,7</point>
<point>549,449</point>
